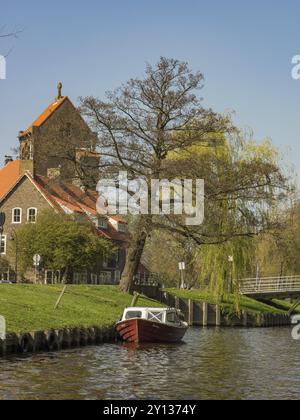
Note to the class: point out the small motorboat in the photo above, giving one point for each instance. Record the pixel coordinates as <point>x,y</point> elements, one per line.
<point>151,325</point>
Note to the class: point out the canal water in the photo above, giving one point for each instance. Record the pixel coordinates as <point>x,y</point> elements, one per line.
<point>211,364</point>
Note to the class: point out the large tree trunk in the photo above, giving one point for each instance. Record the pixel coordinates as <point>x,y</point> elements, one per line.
<point>134,254</point>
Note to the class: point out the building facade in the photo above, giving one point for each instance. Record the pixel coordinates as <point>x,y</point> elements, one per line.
<point>57,169</point>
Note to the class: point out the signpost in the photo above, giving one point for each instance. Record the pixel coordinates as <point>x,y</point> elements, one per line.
<point>36,262</point>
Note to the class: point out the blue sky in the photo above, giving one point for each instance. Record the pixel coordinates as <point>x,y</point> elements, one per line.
<point>243,48</point>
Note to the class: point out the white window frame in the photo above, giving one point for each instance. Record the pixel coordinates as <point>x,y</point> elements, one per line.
<point>3,238</point>
<point>13,216</point>
<point>122,227</point>
<point>155,316</point>
<point>28,210</point>
<point>102,223</point>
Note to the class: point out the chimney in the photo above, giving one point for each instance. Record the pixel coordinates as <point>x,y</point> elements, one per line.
<point>7,160</point>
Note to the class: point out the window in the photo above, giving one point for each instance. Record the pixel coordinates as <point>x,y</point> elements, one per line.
<point>17,215</point>
<point>156,316</point>
<point>3,244</point>
<point>102,223</point>
<point>31,215</point>
<point>172,317</point>
<point>133,314</point>
<point>122,227</point>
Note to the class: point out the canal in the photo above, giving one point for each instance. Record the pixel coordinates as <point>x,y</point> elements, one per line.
<point>211,364</point>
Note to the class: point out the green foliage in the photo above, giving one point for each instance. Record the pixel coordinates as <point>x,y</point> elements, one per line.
<point>221,274</point>
<point>63,243</point>
<point>244,188</point>
<point>278,251</point>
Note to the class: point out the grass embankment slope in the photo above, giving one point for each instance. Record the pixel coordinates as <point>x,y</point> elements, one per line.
<point>31,307</point>
<point>228,304</point>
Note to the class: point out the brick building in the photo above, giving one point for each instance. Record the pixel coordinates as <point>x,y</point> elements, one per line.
<point>57,169</point>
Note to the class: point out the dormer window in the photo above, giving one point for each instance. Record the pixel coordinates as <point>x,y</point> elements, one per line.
<point>31,215</point>
<point>102,223</point>
<point>122,227</point>
<point>17,215</point>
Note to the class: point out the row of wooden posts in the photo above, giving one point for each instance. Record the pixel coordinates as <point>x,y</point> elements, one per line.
<point>204,314</point>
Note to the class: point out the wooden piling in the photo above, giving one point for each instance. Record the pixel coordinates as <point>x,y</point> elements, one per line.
<point>191,312</point>
<point>205,314</point>
<point>218,316</point>
<point>245,319</point>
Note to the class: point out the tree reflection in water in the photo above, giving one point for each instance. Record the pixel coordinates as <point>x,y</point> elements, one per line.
<point>210,364</point>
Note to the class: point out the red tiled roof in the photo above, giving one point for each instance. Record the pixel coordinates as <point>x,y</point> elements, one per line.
<point>45,115</point>
<point>61,195</point>
<point>9,176</point>
<point>76,200</point>
<point>118,219</point>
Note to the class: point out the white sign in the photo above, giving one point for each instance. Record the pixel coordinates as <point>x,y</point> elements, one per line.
<point>181,266</point>
<point>37,259</point>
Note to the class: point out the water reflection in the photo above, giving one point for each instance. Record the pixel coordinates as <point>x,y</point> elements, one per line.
<point>211,364</point>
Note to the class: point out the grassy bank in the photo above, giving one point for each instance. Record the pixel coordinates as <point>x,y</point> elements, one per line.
<point>228,306</point>
<point>31,307</point>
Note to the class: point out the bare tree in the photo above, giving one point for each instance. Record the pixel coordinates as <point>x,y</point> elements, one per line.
<point>145,123</point>
<point>6,33</point>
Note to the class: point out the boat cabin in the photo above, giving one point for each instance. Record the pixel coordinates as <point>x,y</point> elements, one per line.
<point>162,315</point>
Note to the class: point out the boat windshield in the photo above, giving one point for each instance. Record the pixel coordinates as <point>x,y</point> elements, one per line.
<point>133,314</point>
<point>172,317</point>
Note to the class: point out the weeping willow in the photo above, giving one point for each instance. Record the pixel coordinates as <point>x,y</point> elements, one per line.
<point>221,267</point>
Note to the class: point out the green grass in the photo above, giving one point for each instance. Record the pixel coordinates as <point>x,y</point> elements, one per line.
<point>285,305</point>
<point>228,306</point>
<point>30,308</point>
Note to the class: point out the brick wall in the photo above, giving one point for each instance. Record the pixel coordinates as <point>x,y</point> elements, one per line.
<point>56,141</point>
<point>24,196</point>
